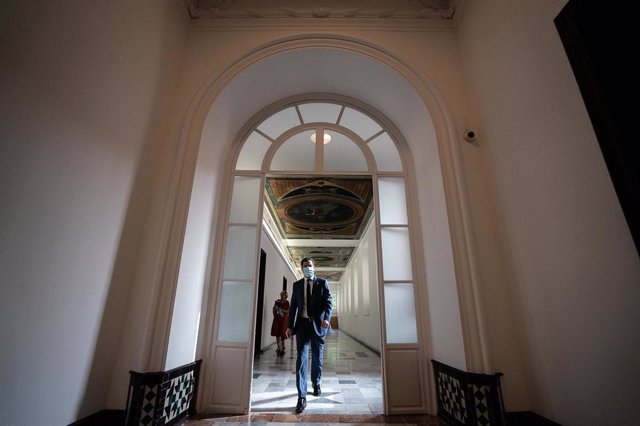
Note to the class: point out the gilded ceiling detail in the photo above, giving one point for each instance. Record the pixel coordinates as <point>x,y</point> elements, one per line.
<point>331,275</point>
<point>320,208</point>
<point>333,257</point>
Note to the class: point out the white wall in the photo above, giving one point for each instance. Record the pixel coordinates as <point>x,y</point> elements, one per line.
<point>196,257</point>
<point>358,293</point>
<point>573,271</point>
<point>276,269</point>
<point>187,306</point>
<point>82,87</point>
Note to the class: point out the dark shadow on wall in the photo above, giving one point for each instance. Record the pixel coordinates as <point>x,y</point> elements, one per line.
<point>601,43</point>
<point>149,171</point>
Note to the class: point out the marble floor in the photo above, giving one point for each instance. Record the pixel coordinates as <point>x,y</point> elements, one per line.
<point>351,390</point>
<point>351,380</point>
<point>285,419</point>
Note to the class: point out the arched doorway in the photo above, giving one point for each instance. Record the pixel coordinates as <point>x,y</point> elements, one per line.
<point>346,66</point>
<point>281,140</point>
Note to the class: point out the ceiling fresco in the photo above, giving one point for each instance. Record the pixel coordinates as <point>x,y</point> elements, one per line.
<point>337,257</point>
<point>321,208</point>
<point>331,275</point>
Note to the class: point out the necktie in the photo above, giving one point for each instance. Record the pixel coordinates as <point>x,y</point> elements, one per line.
<point>309,298</point>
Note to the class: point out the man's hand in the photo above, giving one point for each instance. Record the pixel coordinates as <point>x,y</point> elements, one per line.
<point>289,333</point>
<point>324,324</point>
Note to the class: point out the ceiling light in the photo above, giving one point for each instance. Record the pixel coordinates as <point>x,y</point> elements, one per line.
<point>326,137</point>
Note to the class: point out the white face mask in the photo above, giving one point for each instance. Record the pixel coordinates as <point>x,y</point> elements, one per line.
<point>308,271</point>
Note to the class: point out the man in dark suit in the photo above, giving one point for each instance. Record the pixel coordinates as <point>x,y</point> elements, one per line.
<point>309,316</point>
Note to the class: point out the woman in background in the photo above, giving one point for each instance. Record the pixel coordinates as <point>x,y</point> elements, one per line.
<point>280,319</point>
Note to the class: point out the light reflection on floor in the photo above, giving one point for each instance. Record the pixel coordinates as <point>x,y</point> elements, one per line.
<point>351,380</point>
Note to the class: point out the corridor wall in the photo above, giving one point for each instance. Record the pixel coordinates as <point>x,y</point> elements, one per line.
<point>358,293</point>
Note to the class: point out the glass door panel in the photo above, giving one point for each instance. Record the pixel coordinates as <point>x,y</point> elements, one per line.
<point>246,196</point>
<point>393,203</point>
<point>396,254</point>
<point>240,255</point>
<point>400,313</point>
<point>235,311</point>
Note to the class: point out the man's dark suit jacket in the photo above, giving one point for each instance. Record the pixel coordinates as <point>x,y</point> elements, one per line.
<point>320,307</point>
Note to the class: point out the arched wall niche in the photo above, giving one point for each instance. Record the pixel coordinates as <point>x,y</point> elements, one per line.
<point>326,64</point>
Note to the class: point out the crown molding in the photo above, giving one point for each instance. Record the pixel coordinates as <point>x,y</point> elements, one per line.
<point>357,24</point>
<point>411,9</point>
<point>459,14</point>
<point>389,15</point>
<point>182,7</point>
<point>347,10</point>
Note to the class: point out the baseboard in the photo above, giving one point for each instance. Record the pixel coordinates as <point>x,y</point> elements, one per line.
<point>374,350</point>
<point>528,418</point>
<point>102,418</point>
<point>266,348</point>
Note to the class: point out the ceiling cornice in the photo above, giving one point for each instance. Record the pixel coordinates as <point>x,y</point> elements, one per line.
<point>183,10</point>
<point>458,17</point>
<point>354,24</point>
<point>322,9</point>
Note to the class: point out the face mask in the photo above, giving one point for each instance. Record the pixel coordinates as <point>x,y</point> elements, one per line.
<point>308,271</point>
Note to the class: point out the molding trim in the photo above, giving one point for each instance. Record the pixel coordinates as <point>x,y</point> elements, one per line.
<point>364,24</point>
<point>374,350</point>
<point>459,14</point>
<point>183,10</point>
<point>343,9</point>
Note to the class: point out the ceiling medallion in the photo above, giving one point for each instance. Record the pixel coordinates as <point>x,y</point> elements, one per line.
<point>320,212</point>
<point>325,208</point>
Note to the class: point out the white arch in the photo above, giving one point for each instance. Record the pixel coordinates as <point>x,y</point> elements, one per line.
<point>341,100</point>
<point>186,157</point>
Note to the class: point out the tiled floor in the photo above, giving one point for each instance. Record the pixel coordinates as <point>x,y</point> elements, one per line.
<point>285,419</point>
<point>351,390</point>
<point>351,380</point>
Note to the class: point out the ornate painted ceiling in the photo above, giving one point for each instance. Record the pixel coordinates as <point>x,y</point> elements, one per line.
<point>318,209</point>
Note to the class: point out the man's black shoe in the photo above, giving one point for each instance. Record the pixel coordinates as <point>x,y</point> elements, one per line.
<point>316,390</point>
<point>302,404</point>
